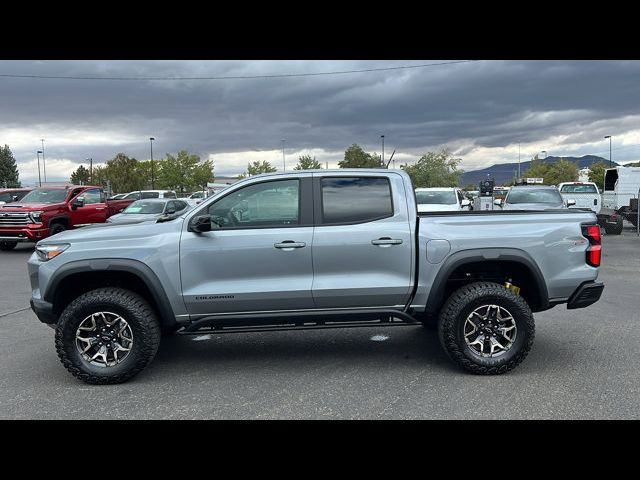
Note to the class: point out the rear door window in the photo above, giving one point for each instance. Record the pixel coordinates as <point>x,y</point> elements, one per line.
<point>355,199</point>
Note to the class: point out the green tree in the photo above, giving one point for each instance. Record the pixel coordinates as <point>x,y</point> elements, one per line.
<point>562,171</point>
<point>305,162</point>
<point>356,157</point>
<point>99,176</point>
<point>538,169</point>
<point>9,176</point>
<point>596,173</point>
<point>256,168</point>
<point>176,173</point>
<point>143,173</point>
<point>121,171</point>
<point>81,176</point>
<point>202,174</point>
<point>435,169</point>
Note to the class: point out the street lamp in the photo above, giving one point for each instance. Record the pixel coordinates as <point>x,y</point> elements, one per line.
<point>382,137</point>
<point>609,137</point>
<point>284,165</point>
<point>90,170</point>
<point>44,164</point>
<point>39,179</point>
<point>151,139</point>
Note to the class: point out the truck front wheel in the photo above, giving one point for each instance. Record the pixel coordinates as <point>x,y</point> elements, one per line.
<point>486,328</point>
<point>56,228</point>
<point>107,336</point>
<point>6,246</point>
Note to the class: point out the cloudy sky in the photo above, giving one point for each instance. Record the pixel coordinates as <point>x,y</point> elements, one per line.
<point>480,110</point>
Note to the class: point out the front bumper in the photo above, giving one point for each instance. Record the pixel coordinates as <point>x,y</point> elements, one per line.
<point>586,294</point>
<point>23,234</point>
<point>44,311</point>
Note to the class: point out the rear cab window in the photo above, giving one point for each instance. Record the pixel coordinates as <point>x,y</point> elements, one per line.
<point>578,188</point>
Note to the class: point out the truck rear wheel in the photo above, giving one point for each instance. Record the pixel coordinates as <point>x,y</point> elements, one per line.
<point>615,229</point>
<point>486,328</point>
<point>107,336</point>
<point>6,246</point>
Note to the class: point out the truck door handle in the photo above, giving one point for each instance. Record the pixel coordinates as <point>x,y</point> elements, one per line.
<point>99,208</point>
<point>289,245</point>
<point>386,241</point>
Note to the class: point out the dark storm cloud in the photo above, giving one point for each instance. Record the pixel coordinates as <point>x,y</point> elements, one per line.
<point>483,104</point>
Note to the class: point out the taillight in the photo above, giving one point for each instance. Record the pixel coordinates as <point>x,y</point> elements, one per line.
<point>594,250</point>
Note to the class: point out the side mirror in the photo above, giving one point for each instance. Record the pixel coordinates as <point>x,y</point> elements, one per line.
<point>200,224</point>
<point>498,202</point>
<point>465,203</point>
<point>78,202</point>
<point>571,203</point>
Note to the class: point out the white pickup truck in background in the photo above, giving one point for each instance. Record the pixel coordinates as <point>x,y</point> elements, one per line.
<point>585,194</point>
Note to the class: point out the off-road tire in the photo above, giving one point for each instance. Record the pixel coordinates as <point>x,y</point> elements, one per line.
<point>138,314</point>
<point>451,327</point>
<point>6,246</point>
<point>56,228</point>
<point>614,229</point>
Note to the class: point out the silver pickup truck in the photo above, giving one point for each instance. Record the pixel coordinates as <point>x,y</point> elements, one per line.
<point>307,250</point>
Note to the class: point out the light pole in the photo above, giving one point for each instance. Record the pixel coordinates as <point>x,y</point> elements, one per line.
<point>610,162</point>
<point>44,164</point>
<point>90,170</point>
<point>518,159</point>
<point>39,179</point>
<point>151,139</point>
<point>284,165</point>
<point>382,137</point>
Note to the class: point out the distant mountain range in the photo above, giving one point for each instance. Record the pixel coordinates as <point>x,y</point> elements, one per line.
<point>506,172</point>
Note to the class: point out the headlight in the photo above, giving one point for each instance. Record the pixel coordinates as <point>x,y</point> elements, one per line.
<point>47,252</point>
<point>36,217</point>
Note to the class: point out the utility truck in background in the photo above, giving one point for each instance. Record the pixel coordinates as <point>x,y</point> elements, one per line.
<point>619,199</point>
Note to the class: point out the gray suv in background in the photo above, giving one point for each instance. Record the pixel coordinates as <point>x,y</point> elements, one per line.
<point>313,249</point>
<point>525,197</point>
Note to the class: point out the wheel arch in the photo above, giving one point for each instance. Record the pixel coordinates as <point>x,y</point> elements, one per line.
<point>511,262</point>
<point>75,278</point>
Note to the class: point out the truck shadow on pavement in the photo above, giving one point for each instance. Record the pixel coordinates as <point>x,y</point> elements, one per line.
<point>296,350</point>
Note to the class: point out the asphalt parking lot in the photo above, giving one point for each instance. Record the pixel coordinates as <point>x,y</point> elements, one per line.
<point>584,364</point>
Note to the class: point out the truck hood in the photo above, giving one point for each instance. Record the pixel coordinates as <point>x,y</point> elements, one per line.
<point>109,231</point>
<point>531,206</point>
<point>437,207</point>
<point>122,218</point>
<point>27,207</point>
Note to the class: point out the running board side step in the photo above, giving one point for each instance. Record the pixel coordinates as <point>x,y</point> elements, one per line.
<point>315,320</point>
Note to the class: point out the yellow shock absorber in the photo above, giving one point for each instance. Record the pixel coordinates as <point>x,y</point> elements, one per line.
<point>512,287</point>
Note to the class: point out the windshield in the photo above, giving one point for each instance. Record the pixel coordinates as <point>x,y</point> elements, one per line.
<point>45,195</point>
<point>549,196</point>
<point>445,197</point>
<point>578,189</point>
<point>6,197</point>
<point>145,207</point>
